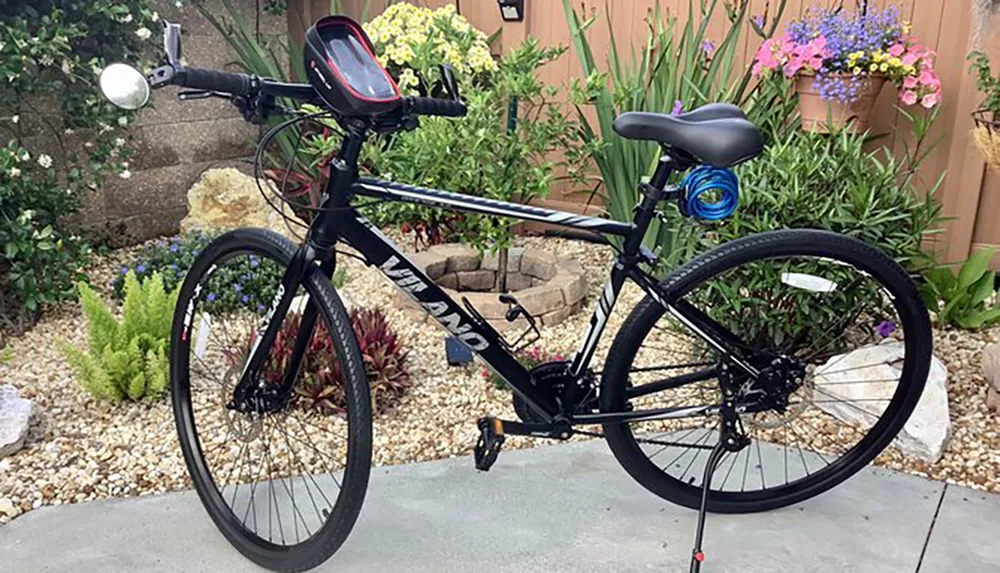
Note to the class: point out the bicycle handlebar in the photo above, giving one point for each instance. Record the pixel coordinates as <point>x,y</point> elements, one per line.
<point>242,85</point>
<point>433,106</point>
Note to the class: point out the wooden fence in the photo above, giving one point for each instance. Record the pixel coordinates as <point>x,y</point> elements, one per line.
<point>970,194</point>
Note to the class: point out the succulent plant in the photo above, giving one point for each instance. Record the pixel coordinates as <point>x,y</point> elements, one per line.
<point>321,384</point>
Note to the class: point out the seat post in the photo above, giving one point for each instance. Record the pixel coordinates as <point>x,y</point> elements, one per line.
<point>652,194</point>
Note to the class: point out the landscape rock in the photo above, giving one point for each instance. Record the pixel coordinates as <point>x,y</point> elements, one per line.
<point>991,371</point>
<point>15,413</point>
<point>227,199</point>
<point>857,386</point>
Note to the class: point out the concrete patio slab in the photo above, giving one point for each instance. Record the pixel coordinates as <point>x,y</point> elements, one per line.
<point>966,534</point>
<point>561,508</point>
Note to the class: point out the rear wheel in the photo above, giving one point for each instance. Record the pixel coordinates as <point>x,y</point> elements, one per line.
<point>284,478</point>
<point>828,310</point>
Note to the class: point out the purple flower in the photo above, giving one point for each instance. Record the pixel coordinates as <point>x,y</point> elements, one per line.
<point>140,269</point>
<point>678,108</point>
<point>246,298</point>
<point>885,328</point>
<point>173,266</point>
<point>124,270</point>
<point>709,47</point>
<point>211,297</point>
<point>254,262</point>
<point>260,308</point>
<point>758,20</point>
<point>195,252</point>
<point>237,287</point>
<point>174,247</point>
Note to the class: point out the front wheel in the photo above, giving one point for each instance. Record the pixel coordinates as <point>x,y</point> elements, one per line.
<point>843,343</point>
<point>283,475</point>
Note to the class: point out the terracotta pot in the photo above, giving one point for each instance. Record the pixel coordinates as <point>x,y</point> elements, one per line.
<point>823,116</point>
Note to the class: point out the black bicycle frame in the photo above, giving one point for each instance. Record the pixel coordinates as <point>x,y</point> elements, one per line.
<point>338,221</point>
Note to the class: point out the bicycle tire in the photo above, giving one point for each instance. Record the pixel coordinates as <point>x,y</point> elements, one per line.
<point>764,246</point>
<point>340,521</point>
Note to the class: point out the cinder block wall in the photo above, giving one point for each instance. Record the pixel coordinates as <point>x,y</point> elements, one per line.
<point>176,141</point>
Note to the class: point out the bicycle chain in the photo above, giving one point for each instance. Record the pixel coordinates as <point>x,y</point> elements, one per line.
<point>647,440</point>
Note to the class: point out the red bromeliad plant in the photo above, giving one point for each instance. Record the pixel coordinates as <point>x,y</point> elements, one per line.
<point>321,385</point>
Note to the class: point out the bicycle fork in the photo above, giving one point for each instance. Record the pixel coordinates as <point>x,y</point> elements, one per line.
<point>301,263</point>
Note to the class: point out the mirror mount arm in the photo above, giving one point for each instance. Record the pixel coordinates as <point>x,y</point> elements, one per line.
<point>162,76</point>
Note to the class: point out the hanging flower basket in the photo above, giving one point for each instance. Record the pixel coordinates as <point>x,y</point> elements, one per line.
<point>840,61</point>
<point>823,115</point>
<point>986,134</point>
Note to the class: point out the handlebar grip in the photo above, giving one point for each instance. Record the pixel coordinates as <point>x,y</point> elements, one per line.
<point>434,106</point>
<point>213,80</point>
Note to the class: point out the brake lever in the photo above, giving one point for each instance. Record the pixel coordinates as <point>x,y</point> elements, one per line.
<point>201,94</point>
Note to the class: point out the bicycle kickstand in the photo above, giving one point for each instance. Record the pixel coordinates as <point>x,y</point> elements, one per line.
<point>697,556</point>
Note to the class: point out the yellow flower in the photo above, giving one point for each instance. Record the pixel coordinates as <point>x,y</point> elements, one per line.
<point>895,62</point>
<point>857,71</point>
<point>883,67</point>
<point>873,68</point>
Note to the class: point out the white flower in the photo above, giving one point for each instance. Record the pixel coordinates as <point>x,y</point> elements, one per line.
<point>15,118</point>
<point>14,172</point>
<point>123,121</point>
<point>46,60</point>
<point>67,67</point>
<point>143,33</point>
<point>127,19</point>
<point>45,161</point>
<point>125,174</point>
<point>25,156</point>
<point>69,191</point>
<point>69,131</point>
<point>179,4</point>
<point>119,142</point>
<point>155,17</point>
<point>124,164</point>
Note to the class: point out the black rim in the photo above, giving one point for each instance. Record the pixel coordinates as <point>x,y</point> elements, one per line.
<point>282,487</point>
<point>815,464</point>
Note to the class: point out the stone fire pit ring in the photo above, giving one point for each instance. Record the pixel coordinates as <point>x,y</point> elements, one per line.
<point>550,289</point>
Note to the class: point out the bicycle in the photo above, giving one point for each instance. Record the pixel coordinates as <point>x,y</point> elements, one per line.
<point>741,383</point>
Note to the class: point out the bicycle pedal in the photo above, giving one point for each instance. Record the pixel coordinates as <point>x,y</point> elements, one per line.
<point>490,441</point>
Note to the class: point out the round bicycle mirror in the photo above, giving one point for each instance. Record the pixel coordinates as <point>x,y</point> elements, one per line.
<point>124,86</point>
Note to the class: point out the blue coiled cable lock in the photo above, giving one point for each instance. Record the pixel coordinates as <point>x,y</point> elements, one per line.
<point>704,179</point>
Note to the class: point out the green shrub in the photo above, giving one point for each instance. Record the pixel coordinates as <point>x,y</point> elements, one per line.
<point>127,358</point>
<point>962,300</point>
<point>833,183</point>
<point>478,155</point>
<point>243,282</point>
<point>63,138</point>
<point>816,182</point>
<point>39,261</point>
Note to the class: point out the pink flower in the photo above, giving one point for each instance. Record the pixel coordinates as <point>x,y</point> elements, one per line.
<point>816,63</point>
<point>793,67</point>
<point>910,83</point>
<point>929,78</point>
<point>897,50</point>
<point>910,59</point>
<point>908,97</point>
<point>930,100</point>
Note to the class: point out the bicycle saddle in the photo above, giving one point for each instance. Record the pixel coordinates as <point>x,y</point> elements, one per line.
<point>717,134</point>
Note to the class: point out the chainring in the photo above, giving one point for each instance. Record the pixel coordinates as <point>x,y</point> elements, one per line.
<point>565,389</point>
